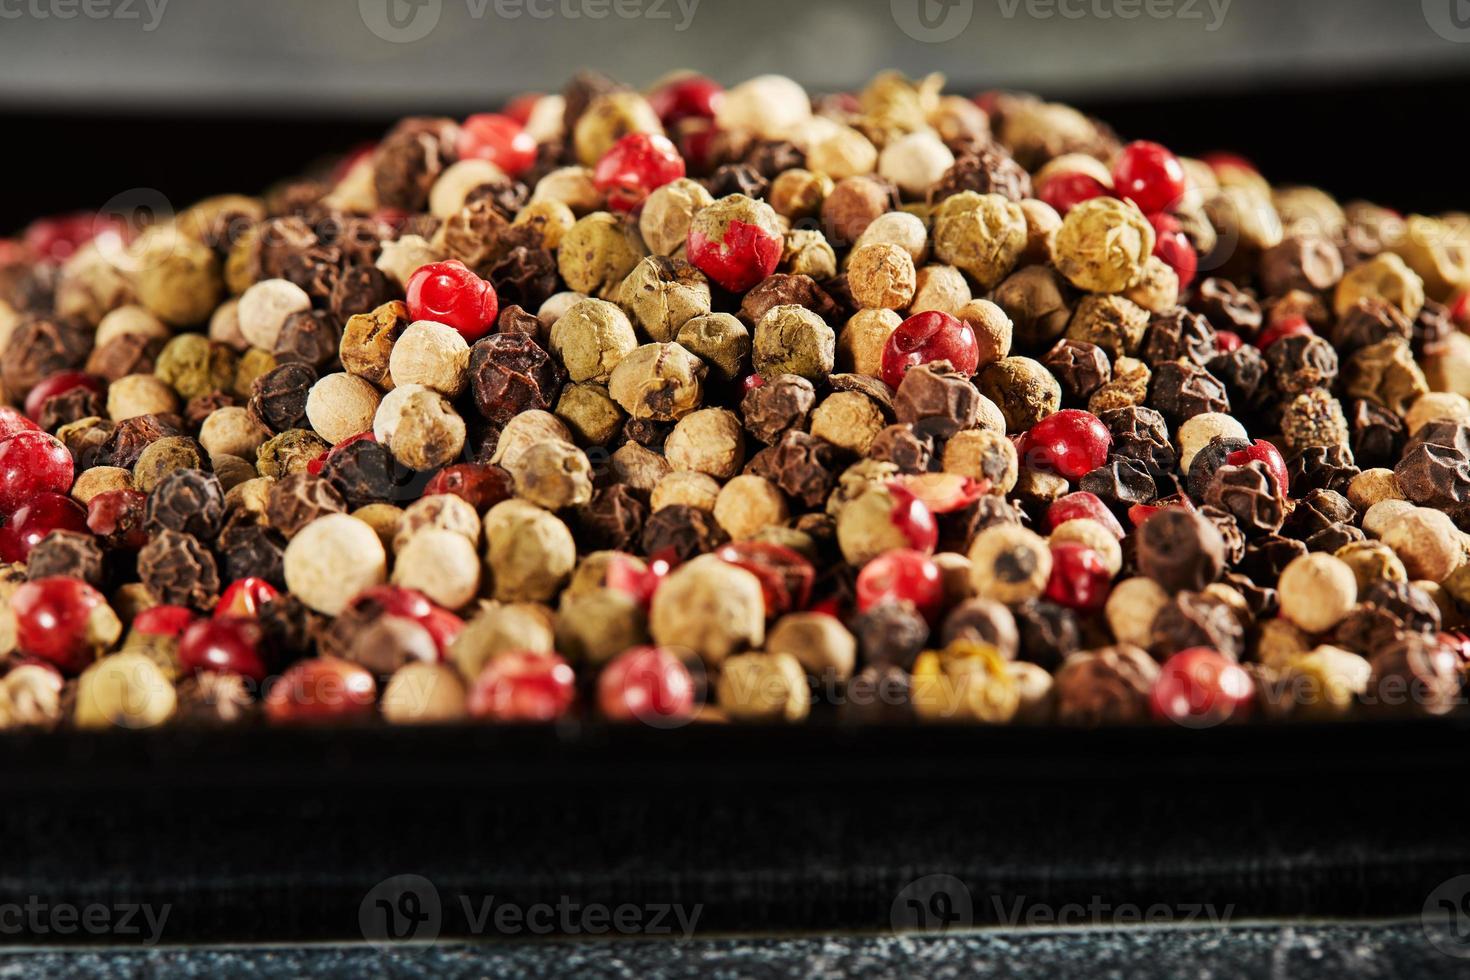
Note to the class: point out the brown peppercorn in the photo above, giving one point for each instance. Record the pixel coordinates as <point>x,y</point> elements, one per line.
<point>784,289</point>
<point>69,554</point>
<point>1300,363</point>
<point>1180,550</point>
<point>662,294</point>
<point>1416,675</point>
<point>1197,619</point>
<point>681,530</point>
<point>1023,388</point>
<point>852,205</point>
<point>985,168</point>
<point>188,500</point>
<point>278,397</point>
<point>1080,367</point>
<point>1227,307</point>
<point>937,400</point>
<point>178,570</point>
<point>127,440</point>
<point>300,498</point>
<point>40,346</point>
<point>1106,686</point>
<point>368,339</point>
<point>249,550</point>
<point>782,403</point>
<point>1113,323</point>
<point>613,519</point>
<point>125,354</point>
<point>410,158</point>
<point>510,374</point>
<point>365,472</point>
<point>1038,302</point>
<point>164,456</point>
<point>591,338</point>
<point>1182,389</point>
<point>903,447</point>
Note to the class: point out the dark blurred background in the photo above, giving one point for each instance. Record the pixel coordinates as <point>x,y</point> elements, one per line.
<point>193,97</point>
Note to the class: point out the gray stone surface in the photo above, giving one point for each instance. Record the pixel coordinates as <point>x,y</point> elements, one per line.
<point>1297,950</point>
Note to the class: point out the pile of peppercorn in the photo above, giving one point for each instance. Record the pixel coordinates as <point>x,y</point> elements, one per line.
<point>735,404</point>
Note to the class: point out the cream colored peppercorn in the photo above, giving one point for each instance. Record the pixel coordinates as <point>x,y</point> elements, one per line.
<point>686,487</point>
<point>1426,541</point>
<point>572,186</point>
<point>30,695</point>
<point>402,257</point>
<point>597,253</point>
<point>130,319</point>
<point>1103,244</point>
<point>264,308</point>
<point>1195,433</point>
<point>859,348</point>
<point>340,405</point>
<point>231,431</point>
<point>1009,564</point>
<point>914,162</point>
<point>842,151</point>
<point>1244,214</point>
<point>1131,608</point>
<point>440,564</point>
<point>1448,368</point>
<point>232,470</point>
<point>140,394</point>
<point>1317,591</point>
<point>551,218</point>
<point>1373,486</point>
<point>984,454</point>
<point>331,560</point>
<point>881,276</point>
<point>718,339</point>
<point>382,518</point>
<point>421,693</point>
<point>983,235</point>
<point>433,355</point>
<point>710,440</point>
<point>1385,276</point>
<point>662,382</point>
<point>865,525</point>
<point>556,307</point>
<point>589,412</point>
<point>1281,640</point>
<point>764,687</point>
<point>448,194</point>
<point>749,504</point>
<point>664,221</point>
<point>100,479</point>
<point>596,625</point>
<point>1380,516</point>
<point>126,690</point>
<point>767,106</point>
<point>177,278</point>
<point>529,551</point>
<point>591,338</point>
<point>1372,561</point>
<point>940,287</point>
<point>1436,405</point>
<point>1157,289</point>
<point>791,339</point>
<point>437,511</point>
<point>848,419</point>
<point>501,627</point>
<point>993,329</point>
<point>419,427</point>
<point>798,193</point>
<point>808,253</point>
<point>526,430</point>
<point>608,118</point>
<point>1042,225</point>
<point>637,466</point>
<point>250,497</point>
<point>224,326</point>
<point>819,642</point>
<point>1324,683</point>
<point>553,475</point>
<point>899,228</point>
<point>663,294</point>
<point>710,607</point>
<point>1086,531</point>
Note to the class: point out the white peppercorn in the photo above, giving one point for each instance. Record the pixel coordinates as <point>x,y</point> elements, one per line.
<point>331,560</point>
<point>440,564</point>
<point>899,228</point>
<point>572,186</point>
<point>859,348</point>
<point>710,440</point>
<point>231,431</point>
<point>993,329</point>
<point>749,504</point>
<point>791,339</point>
<point>140,394</point>
<point>526,430</point>
<point>1317,591</point>
<point>419,427</point>
<point>264,308</point>
<point>501,627</point>
<point>1426,540</point>
<point>667,212</point>
<point>529,551</point>
<point>100,479</point>
<point>402,257</point>
<point>687,487</point>
<point>820,643</point>
<point>1131,608</point>
<point>711,607</point>
<point>423,693</point>
<point>433,355</point>
<point>881,276</point>
<point>940,287</point>
<point>338,406</point>
<point>1009,564</point>
<point>598,624</point>
<point>126,690</point>
<point>553,475</point>
<point>848,419</point>
<point>915,162</point>
<point>841,151</point>
<point>764,687</point>
<point>437,511</point>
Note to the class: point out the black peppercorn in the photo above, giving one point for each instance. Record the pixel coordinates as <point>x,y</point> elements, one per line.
<point>278,397</point>
<point>1210,458</point>
<point>187,500</point>
<point>309,337</point>
<point>178,570</point>
<point>250,550</point>
<point>1049,632</point>
<point>612,520</point>
<point>1250,494</point>
<point>682,531</point>
<point>298,499</point>
<point>1227,307</point>
<point>67,553</point>
<point>510,374</point>
<point>1081,368</point>
<point>1177,333</point>
<point>1301,362</point>
<point>891,631</point>
<point>365,472</point>
<point>1120,483</point>
<point>1182,389</point>
<point>1321,468</point>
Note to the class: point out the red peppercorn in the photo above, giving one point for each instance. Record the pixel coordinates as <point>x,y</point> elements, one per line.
<point>443,626</point>
<point>314,466</point>
<point>1290,326</point>
<point>1070,443</point>
<point>634,167</point>
<point>523,686</point>
<point>1139,513</point>
<point>1079,577</point>
<point>449,293</point>
<point>521,107</point>
<point>322,689</point>
<point>1148,175</point>
<point>1200,687</point>
<point>57,384</point>
<point>901,574</point>
<point>481,485</point>
<point>397,600</point>
<point>944,493</point>
<point>32,462</point>
<point>1219,161</point>
<point>1065,191</point>
<point>1174,248</point>
<point>742,255</point>
<point>227,644</point>
<point>12,421</point>
<point>1459,309</point>
<point>63,621</point>
<point>1227,341</point>
<point>786,577</point>
<point>636,580</point>
<point>1081,504</point>
<point>690,97</point>
<point>57,238</point>
<point>163,620</point>
<point>1267,453</point>
<point>927,337</point>
<point>36,518</point>
<point>116,517</point>
<point>647,684</point>
<point>913,518</point>
<point>244,597</point>
<point>499,139</point>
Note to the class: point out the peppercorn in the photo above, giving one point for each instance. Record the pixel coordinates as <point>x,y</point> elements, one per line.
<point>1103,244</point>
<point>1024,389</point>
<point>966,681</point>
<point>1384,276</point>
<point>597,254</point>
<point>720,340</point>
<point>419,427</point>
<point>662,382</point>
<point>667,212</point>
<point>287,453</point>
<point>440,511</point>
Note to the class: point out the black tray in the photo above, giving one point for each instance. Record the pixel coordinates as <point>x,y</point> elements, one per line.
<point>277,834</point>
